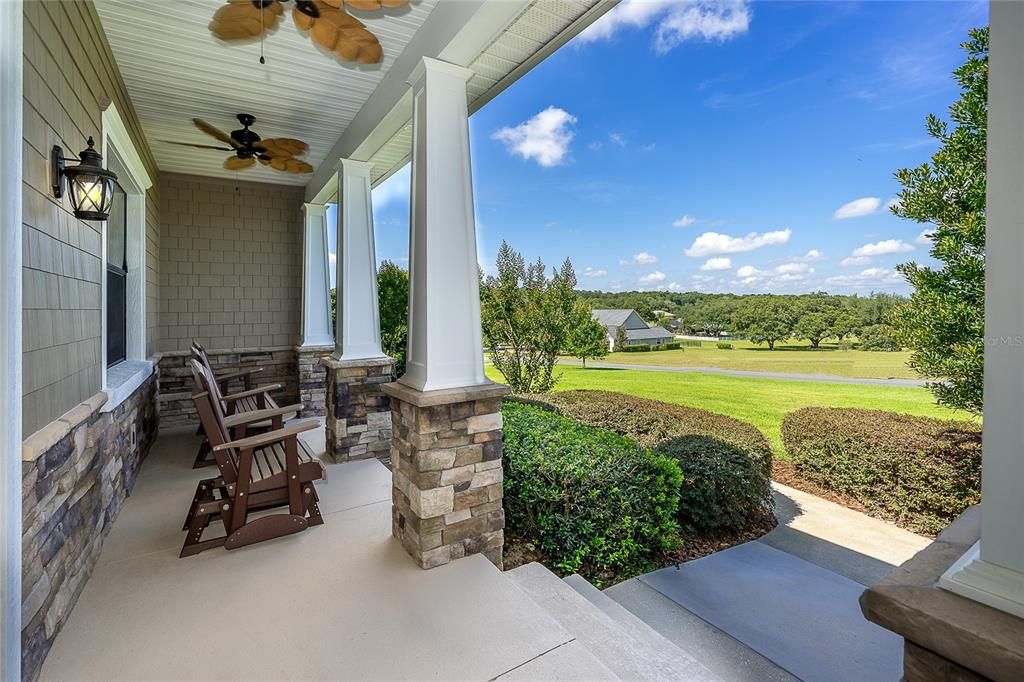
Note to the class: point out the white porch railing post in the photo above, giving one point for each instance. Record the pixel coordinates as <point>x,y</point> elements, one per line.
<point>11,59</point>
<point>316,310</point>
<point>358,331</point>
<point>992,572</point>
<point>445,349</point>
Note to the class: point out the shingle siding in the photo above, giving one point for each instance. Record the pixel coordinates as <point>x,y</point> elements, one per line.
<point>69,73</point>
<point>231,263</point>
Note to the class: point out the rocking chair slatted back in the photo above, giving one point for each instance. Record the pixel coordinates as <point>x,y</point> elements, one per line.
<point>211,414</point>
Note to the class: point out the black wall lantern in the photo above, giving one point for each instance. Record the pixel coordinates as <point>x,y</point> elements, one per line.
<point>92,185</point>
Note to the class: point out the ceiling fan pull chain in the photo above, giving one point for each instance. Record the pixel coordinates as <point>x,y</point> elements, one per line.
<point>263,8</point>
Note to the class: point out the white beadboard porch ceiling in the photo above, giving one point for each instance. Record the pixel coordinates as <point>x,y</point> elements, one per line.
<point>175,70</point>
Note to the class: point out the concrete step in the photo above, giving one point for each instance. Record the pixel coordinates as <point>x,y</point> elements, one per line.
<point>723,655</point>
<point>621,615</point>
<point>627,655</point>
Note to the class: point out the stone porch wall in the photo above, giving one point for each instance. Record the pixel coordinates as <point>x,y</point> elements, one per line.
<point>280,366</point>
<point>76,472</point>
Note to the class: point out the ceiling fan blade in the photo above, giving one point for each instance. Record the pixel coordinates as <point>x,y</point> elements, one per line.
<point>338,32</point>
<point>244,20</point>
<point>371,5</point>
<point>297,166</point>
<point>215,133</point>
<point>235,163</point>
<point>198,146</point>
<point>281,147</point>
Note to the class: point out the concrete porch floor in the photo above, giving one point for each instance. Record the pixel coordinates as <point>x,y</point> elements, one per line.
<point>341,600</point>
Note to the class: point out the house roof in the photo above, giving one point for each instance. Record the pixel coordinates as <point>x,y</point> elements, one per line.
<point>614,317</point>
<point>645,334</point>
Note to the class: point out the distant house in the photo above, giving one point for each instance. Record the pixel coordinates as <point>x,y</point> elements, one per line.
<point>636,330</point>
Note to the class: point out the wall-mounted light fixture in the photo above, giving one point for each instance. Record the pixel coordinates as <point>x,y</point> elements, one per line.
<point>92,185</point>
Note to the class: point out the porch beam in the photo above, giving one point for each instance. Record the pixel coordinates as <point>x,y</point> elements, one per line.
<point>358,326</point>
<point>445,349</point>
<point>992,572</point>
<point>11,60</point>
<point>316,305</point>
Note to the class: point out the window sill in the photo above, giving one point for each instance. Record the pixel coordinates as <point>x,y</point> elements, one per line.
<point>123,379</point>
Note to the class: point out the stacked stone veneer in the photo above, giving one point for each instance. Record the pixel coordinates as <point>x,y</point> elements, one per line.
<point>447,473</point>
<point>359,414</point>
<point>312,379</point>
<point>280,366</point>
<point>76,472</point>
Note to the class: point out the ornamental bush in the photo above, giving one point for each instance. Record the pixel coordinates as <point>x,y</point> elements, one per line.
<point>636,348</point>
<point>726,463</point>
<point>724,345</point>
<point>917,472</point>
<point>671,345</point>
<point>593,501</point>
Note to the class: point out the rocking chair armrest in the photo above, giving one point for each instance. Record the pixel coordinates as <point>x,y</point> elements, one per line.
<point>260,415</point>
<point>235,373</point>
<point>251,392</point>
<point>271,437</point>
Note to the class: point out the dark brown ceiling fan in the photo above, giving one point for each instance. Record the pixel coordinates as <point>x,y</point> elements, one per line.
<point>278,153</point>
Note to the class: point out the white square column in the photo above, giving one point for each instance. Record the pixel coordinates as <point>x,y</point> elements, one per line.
<point>445,347</point>
<point>316,304</point>
<point>992,572</point>
<point>358,326</point>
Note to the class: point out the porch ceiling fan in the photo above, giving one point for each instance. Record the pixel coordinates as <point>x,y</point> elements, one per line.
<point>327,22</point>
<point>278,153</point>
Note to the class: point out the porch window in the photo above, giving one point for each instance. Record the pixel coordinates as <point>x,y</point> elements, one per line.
<point>117,278</point>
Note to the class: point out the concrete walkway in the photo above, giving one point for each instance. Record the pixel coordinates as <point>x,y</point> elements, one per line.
<point>789,600</point>
<point>786,376</point>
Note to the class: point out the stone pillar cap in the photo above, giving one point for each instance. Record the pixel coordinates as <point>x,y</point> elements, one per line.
<point>446,396</point>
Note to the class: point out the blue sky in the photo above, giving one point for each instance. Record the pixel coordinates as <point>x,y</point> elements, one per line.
<point>724,146</point>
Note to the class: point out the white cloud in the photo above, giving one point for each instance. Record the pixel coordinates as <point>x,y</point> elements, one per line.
<point>717,264</point>
<point>925,238</point>
<point>854,261</point>
<point>883,248</point>
<point>857,208</point>
<point>748,272</point>
<point>789,277</point>
<point>648,147</point>
<point>794,268</point>
<point>813,254</point>
<point>595,146</point>
<point>544,138</point>
<point>653,278</point>
<point>591,272</point>
<point>868,278</point>
<point>642,258</point>
<point>394,188</point>
<point>674,286</point>
<point>685,221</point>
<point>713,243</point>
<point>677,21</point>
<point>617,139</point>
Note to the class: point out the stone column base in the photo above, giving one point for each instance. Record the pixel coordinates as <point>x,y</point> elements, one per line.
<point>358,412</point>
<point>312,379</point>
<point>446,471</point>
<point>947,637</point>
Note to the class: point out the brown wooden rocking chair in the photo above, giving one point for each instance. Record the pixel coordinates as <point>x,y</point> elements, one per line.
<point>251,399</point>
<point>257,473</point>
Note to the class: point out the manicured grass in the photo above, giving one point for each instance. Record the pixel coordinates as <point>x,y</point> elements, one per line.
<point>797,357</point>
<point>762,402</point>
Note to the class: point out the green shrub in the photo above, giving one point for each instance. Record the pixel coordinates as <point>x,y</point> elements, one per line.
<point>724,345</point>
<point>592,500</point>
<point>879,337</point>
<point>918,472</point>
<point>726,463</point>
<point>636,348</point>
<point>671,345</point>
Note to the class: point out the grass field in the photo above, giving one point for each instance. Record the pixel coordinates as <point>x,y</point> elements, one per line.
<point>796,357</point>
<point>762,402</point>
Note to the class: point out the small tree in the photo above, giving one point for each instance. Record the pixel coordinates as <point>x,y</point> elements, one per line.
<point>526,318</point>
<point>621,341</point>
<point>943,323</point>
<point>588,339</point>
<point>393,300</point>
<point>813,327</point>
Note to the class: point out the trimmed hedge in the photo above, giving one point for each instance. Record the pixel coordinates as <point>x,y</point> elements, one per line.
<point>671,345</point>
<point>726,463</point>
<point>592,500</point>
<point>724,345</point>
<point>917,472</point>
<point>636,348</point>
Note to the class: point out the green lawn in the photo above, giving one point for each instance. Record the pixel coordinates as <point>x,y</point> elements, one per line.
<point>762,402</point>
<point>796,357</point>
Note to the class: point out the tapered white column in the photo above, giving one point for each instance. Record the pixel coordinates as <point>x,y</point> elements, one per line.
<point>445,348</point>
<point>992,572</point>
<point>11,59</point>
<point>358,330</point>
<point>316,304</point>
